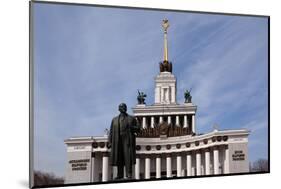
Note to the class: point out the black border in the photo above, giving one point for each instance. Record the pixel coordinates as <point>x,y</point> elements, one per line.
<point>31,65</point>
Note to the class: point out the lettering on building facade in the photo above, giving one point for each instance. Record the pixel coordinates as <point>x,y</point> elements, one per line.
<point>238,155</point>
<point>79,164</point>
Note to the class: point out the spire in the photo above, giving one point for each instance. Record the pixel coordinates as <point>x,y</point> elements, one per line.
<point>165,26</point>
<point>165,66</point>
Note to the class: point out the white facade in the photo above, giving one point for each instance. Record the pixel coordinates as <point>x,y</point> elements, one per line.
<point>217,152</point>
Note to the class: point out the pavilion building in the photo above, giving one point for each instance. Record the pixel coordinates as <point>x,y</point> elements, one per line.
<point>167,145</point>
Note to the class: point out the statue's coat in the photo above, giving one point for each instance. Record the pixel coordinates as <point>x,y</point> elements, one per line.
<point>131,127</point>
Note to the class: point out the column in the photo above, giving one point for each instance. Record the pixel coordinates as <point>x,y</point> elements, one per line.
<point>105,167</point>
<point>188,164</point>
<point>162,95</point>
<point>178,120</point>
<point>137,168</point>
<point>143,122</point>
<point>124,175</point>
<point>158,166</point>
<point>173,94</point>
<point>124,172</point>
<point>160,119</point>
<point>157,95</point>
<point>207,161</point>
<point>216,160</point>
<point>114,171</point>
<point>152,122</point>
<point>198,163</point>
<point>193,123</point>
<point>169,165</point>
<point>179,173</point>
<point>226,160</point>
<point>93,167</point>
<point>169,120</point>
<point>185,121</point>
<point>167,95</point>
<point>147,167</point>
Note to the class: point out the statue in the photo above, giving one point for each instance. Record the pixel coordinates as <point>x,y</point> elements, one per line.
<point>141,97</point>
<point>187,96</point>
<point>122,141</point>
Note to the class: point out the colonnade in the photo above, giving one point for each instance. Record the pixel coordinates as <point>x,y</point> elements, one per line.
<point>207,161</point>
<point>150,121</point>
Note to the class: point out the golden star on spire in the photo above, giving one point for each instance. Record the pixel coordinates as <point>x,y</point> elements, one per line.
<point>165,25</point>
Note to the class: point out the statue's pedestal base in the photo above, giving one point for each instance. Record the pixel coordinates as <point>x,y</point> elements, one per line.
<point>188,104</point>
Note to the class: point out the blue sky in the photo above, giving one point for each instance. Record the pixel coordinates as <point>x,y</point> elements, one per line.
<point>89,59</point>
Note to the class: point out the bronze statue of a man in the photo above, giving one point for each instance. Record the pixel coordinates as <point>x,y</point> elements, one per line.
<point>122,139</point>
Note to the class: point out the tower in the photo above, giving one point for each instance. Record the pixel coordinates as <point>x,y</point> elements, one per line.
<point>165,81</point>
<point>166,117</point>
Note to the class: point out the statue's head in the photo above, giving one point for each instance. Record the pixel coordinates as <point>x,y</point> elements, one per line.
<point>123,108</point>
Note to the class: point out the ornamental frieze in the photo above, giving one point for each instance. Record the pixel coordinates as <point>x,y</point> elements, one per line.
<point>163,129</point>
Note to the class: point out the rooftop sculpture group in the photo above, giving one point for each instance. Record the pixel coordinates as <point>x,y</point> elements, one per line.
<point>187,96</point>
<point>141,97</point>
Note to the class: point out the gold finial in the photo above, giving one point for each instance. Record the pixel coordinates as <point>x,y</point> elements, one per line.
<point>165,26</point>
